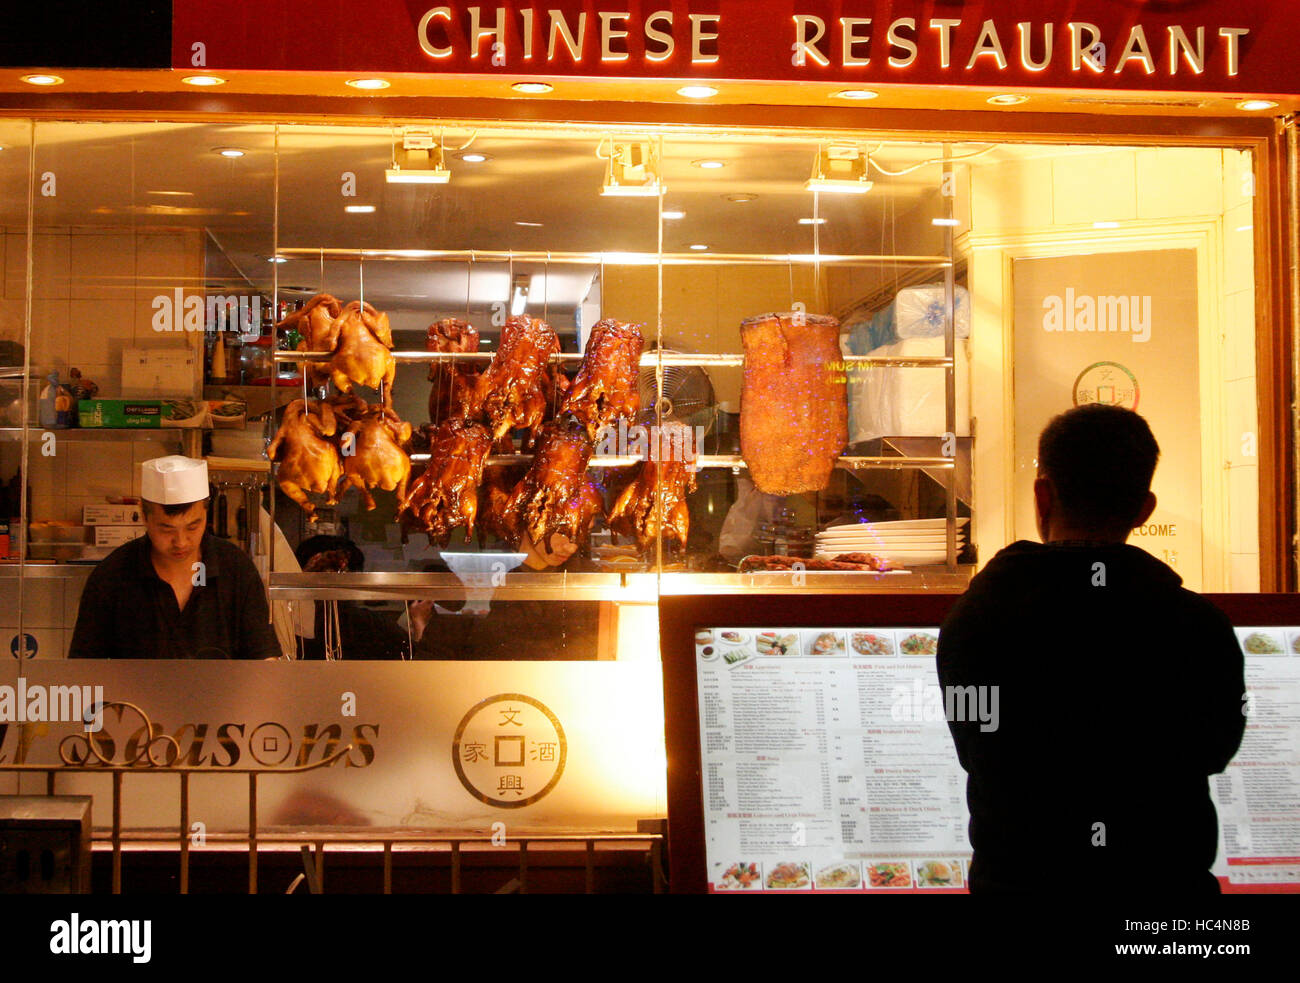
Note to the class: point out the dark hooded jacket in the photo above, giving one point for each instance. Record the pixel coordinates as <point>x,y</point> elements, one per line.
<point>1119,692</point>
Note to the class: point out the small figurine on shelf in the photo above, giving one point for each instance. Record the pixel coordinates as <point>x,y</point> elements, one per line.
<point>56,404</point>
<point>82,388</point>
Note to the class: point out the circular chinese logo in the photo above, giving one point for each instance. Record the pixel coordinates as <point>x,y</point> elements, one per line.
<point>509,750</point>
<point>1106,382</point>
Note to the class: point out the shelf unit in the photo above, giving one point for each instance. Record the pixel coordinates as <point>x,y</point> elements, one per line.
<point>627,586</point>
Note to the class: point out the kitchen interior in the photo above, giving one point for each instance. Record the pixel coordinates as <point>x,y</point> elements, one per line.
<point>684,233</point>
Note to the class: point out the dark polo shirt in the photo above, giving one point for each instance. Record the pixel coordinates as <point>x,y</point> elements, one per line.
<point>129,612</point>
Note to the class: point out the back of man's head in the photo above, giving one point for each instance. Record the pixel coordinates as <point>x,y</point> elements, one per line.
<point>1100,460</point>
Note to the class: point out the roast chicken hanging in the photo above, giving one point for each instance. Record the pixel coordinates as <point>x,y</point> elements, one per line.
<point>309,461</point>
<point>371,447</point>
<point>363,356</point>
<point>317,323</point>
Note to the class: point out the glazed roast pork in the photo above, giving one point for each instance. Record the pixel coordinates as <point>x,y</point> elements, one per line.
<point>605,389</point>
<point>793,402</point>
<point>445,495</point>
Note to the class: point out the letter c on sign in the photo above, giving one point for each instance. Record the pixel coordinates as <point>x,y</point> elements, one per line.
<point>422,32</point>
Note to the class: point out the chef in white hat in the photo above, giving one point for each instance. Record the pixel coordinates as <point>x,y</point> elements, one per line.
<point>175,592</point>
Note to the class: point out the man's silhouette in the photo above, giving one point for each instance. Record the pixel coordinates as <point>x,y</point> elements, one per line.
<point>1120,692</point>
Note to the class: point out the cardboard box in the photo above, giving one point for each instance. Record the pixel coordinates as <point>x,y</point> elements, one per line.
<point>159,371</point>
<point>146,414</point>
<point>112,515</point>
<point>116,535</point>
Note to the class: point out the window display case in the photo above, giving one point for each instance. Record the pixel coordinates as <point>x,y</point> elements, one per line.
<point>811,322</point>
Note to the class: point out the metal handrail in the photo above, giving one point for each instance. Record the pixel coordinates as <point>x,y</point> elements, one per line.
<point>254,839</point>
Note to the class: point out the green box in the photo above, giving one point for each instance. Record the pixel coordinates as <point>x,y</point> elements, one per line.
<point>145,414</point>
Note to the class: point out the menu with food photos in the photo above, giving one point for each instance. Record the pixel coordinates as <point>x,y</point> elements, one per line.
<point>826,761</point>
<point>827,764</point>
<point>1258,796</point>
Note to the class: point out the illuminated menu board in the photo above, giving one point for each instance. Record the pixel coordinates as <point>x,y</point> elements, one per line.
<point>826,762</point>
<point>1258,797</point>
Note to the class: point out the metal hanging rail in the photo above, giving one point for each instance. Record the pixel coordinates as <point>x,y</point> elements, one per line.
<point>317,254</point>
<point>649,360</point>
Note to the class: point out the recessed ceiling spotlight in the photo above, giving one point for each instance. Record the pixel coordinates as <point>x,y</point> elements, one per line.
<point>697,91</point>
<point>699,247</point>
<point>856,94</point>
<point>1007,99</point>
<point>740,198</point>
<point>812,221</point>
<point>203,80</point>
<point>42,80</point>
<point>532,88</point>
<point>708,165</point>
<point>672,216</point>
<point>474,157</point>
<point>229,151</point>
<point>359,209</point>
<point>369,83</point>
<point>1256,105</point>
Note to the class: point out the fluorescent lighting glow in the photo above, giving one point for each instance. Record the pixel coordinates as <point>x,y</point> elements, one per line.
<point>1008,99</point>
<point>359,209</point>
<point>1256,105</point>
<point>42,80</point>
<point>395,176</point>
<point>1105,225</point>
<point>812,221</point>
<point>170,194</point>
<point>699,247</point>
<point>532,88</point>
<point>368,83</point>
<point>1244,228</point>
<point>473,157</point>
<point>671,216</point>
<point>697,91</point>
<point>944,221</point>
<point>518,301</point>
<point>530,225</point>
<point>276,259</point>
<point>230,152</point>
<point>836,186</point>
<point>858,94</point>
<point>708,165</point>
<point>203,80</point>
<point>741,198</point>
<point>631,190</point>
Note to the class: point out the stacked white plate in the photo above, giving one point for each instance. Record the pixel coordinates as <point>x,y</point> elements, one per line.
<point>908,542</point>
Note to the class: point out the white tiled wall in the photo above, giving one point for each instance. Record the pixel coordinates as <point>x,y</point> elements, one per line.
<point>92,297</point>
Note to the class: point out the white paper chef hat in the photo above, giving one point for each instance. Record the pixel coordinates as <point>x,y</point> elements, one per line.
<point>174,480</point>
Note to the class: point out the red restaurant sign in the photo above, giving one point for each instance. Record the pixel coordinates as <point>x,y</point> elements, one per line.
<point>1175,45</point>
